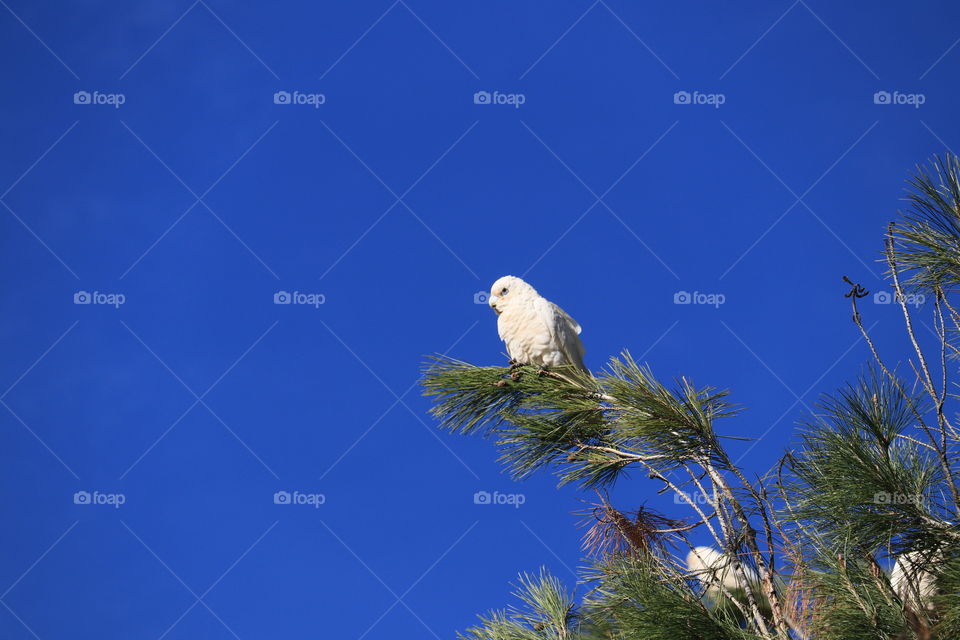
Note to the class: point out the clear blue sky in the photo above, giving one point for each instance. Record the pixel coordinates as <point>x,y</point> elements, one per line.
<point>397,198</point>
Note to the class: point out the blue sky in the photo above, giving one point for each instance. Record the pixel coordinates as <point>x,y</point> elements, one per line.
<point>733,150</point>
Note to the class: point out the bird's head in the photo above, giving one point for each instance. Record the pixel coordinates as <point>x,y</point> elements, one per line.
<point>506,290</point>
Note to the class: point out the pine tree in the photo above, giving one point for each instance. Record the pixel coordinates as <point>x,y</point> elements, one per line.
<point>797,553</point>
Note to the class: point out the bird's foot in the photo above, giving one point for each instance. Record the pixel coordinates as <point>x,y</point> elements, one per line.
<point>515,367</point>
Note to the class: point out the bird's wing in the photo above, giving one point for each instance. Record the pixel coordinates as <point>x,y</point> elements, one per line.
<point>566,317</point>
<point>569,335</point>
<point>564,330</point>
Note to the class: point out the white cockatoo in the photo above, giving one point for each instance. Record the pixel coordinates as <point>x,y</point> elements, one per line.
<point>909,579</point>
<point>713,569</point>
<point>535,331</point>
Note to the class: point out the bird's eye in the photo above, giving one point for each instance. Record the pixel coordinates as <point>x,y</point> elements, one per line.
<point>504,291</point>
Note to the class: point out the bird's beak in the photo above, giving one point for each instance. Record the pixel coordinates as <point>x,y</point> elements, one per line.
<point>492,301</point>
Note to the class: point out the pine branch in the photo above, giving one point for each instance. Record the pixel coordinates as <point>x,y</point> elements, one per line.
<point>871,482</point>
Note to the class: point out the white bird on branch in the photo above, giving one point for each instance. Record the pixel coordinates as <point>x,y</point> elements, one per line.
<point>714,570</point>
<point>911,580</point>
<point>535,331</point>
